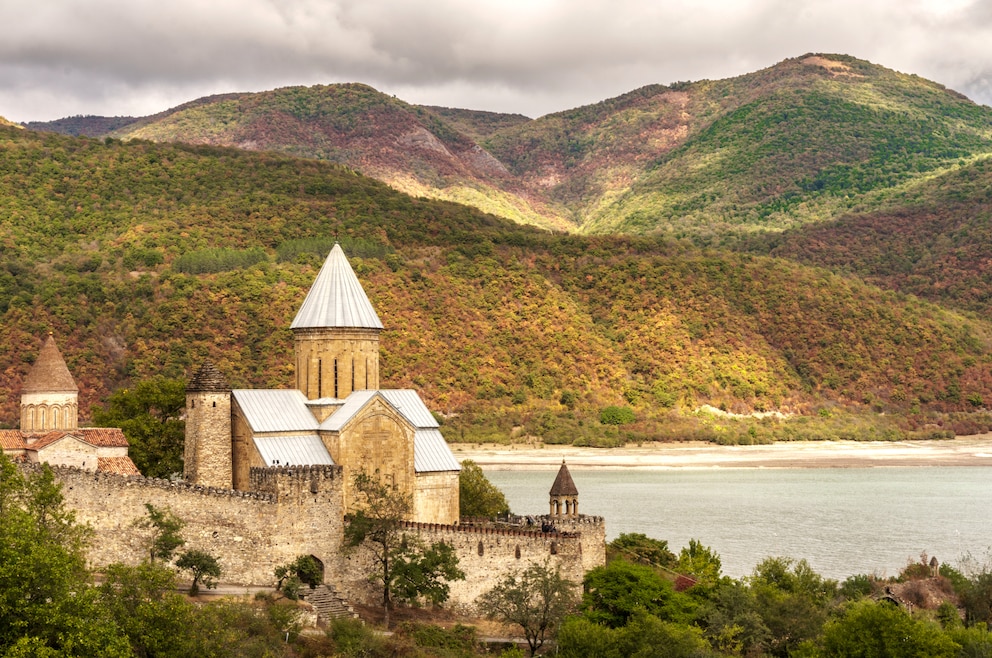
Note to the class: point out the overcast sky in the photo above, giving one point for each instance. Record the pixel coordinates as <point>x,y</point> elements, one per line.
<point>117,57</point>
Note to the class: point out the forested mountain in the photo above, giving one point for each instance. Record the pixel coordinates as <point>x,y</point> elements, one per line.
<point>145,258</point>
<point>800,142</point>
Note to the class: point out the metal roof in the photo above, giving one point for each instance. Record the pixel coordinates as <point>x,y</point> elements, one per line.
<point>431,452</point>
<point>275,410</point>
<point>292,450</point>
<point>352,405</point>
<point>408,403</point>
<point>336,298</point>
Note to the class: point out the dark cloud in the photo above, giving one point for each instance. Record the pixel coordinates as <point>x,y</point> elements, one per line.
<point>529,56</point>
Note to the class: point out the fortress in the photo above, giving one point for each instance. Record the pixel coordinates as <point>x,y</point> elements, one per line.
<point>268,474</point>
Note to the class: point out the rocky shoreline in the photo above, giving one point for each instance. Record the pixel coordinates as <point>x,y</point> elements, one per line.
<point>962,451</point>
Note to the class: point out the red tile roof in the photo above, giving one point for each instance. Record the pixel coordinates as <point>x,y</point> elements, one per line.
<point>118,465</point>
<point>105,437</point>
<point>11,440</point>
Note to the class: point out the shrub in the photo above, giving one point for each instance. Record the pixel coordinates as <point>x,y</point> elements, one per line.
<point>614,415</point>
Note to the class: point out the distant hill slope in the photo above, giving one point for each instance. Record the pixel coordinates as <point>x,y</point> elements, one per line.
<point>782,147</point>
<point>146,258</point>
<point>77,126</point>
<point>797,143</point>
<point>932,239</point>
<point>411,148</point>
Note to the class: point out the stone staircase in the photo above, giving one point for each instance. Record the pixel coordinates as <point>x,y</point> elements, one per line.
<point>328,603</point>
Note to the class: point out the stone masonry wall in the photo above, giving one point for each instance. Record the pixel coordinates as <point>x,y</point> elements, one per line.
<point>207,458</point>
<point>296,512</point>
<point>484,554</point>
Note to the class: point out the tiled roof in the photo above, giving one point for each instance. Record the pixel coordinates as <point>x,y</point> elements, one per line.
<point>104,437</point>
<point>118,465</point>
<point>100,437</point>
<point>282,410</point>
<point>49,373</point>
<point>431,452</point>
<point>336,299</point>
<point>11,440</point>
<point>208,378</point>
<point>564,486</point>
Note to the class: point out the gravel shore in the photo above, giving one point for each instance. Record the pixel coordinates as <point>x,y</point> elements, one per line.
<point>962,451</point>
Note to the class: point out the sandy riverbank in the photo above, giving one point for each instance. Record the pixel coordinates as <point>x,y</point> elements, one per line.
<point>962,451</point>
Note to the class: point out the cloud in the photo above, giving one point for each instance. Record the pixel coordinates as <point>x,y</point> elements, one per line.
<point>529,56</point>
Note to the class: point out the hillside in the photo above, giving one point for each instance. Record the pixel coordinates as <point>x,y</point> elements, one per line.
<point>797,143</point>
<point>931,239</point>
<point>410,148</point>
<point>145,258</point>
<point>781,147</point>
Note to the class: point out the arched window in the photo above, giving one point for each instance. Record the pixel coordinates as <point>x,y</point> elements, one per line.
<point>482,549</point>
<point>554,548</point>
<point>516,553</point>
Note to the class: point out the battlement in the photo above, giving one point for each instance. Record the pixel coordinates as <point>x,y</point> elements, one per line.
<point>296,482</point>
<point>488,530</point>
<point>68,474</point>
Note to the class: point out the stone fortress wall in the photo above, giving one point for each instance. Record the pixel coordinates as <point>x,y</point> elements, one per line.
<point>294,511</point>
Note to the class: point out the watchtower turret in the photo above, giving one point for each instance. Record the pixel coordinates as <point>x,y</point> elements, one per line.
<point>564,494</point>
<point>336,334</point>
<point>207,451</point>
<point>49,396</point>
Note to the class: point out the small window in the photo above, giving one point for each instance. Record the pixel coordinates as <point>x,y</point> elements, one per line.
<point>516,553</point>
<point>554,548</point>
<point>215,403</point>
<point>482,549</point>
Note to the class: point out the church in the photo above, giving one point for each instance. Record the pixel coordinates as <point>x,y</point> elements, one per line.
<point>49,431</point>
<point>335,415</point>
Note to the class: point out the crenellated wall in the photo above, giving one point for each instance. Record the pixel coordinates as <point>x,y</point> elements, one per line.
<point>291,511</point>
<point>295,511</point>
<point>485,554</point>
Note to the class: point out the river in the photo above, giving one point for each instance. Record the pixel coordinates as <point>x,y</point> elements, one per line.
<point>843,521</point>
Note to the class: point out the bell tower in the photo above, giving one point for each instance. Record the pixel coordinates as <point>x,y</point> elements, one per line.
<point>336,334</point>
<point>49,396</point>
<point>564,495</point>
<point>207,451</point>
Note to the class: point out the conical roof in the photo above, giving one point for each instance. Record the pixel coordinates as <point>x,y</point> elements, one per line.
<point>207,378</point>
<point>336,299</point>
<point>564,486</point>
<point>49,374</point>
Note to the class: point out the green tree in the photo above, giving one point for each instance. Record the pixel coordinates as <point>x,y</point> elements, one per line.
<point>614,415</point>
<point>644,635</point>
<point>792,600</point>
<point>47,604</point>
<point>164,532</point>
<point>700,562</point>
<point>150,415</point>
<point>423,572</point>
<point>868,629</point>
<point>143,601</point>
<point>638,547</point>
<point>615,592</point>
<point>403,568</point>
<point>203,566</point>
<point>477,496</point>
<point>304,570</point>
<point>536,599</point>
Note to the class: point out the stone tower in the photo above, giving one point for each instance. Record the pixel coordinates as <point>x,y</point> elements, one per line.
<point>564,494</point>
<point>336,334</point>
<point>49,397</point>
<point>207,449</point>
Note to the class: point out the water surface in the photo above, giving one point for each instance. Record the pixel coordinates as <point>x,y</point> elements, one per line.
<point>843,521</point>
